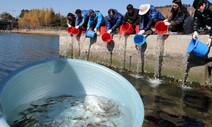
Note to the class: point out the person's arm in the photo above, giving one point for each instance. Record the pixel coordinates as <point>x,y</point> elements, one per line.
<point>153,15</point>
<point>108,24</point>
<point>82,22</point>
<point>88,25</point>
<point>99,20</point>
<point>118,22</point>
<point>179,19</point>
<point>125,18</point>
<point>68,24</point>
<point>196,21</point>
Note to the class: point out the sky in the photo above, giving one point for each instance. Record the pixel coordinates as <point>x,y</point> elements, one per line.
<point>63,7</point>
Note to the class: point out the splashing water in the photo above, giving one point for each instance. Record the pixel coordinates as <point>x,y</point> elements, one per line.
<point>186,68</point>
<point>72,111</point>
<point>159,51</point>
<point>154,83</point>
<point>139,65</point>
<point>124,39</point>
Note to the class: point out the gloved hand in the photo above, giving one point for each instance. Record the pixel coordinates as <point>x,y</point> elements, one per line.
<point>77,27</point>
<point>209,42</point>
<point>167,23</point>
<point>195,35</point>
<point>69,25</point>
<point>109,31</point>
<point>166,20</point>
<point>141,32</point>
<point>95,30</point>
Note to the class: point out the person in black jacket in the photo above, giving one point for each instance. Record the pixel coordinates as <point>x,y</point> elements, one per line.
<point>131,16</point>
<point>70,20</point>
<point>180,19</point>
<point>202,16</point>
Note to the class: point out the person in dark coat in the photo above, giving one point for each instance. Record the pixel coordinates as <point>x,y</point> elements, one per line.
<point>82,17</point>
<point>131,16</point>
<point>202,16</point>
<point>148,17</point>
<point>114,20</point>
<point>180,19</point>
<point>70,20</point>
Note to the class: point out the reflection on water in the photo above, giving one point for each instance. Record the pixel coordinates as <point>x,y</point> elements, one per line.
<point>167,105</point>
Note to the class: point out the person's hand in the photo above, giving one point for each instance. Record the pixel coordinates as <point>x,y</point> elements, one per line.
<point>167,23</point>
<point>141,32</point>
<point>77,27</point>
<point>195,35</point>
<point>109,31</point>
<point>95,30</point>
<point>209,42</point>
<point>166,20</point>
<point>69,25</point>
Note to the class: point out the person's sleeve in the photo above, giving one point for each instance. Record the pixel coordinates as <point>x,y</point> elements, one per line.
<point>108,24</point>
<point>88,25</point>
<point>82,22</point>
<point>124,19</point>
<point>195,22</point>
<point>179,20</point>
<point>99,20</point>
<point>118,22</point>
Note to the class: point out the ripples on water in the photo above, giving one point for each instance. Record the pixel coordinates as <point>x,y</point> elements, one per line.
<point>20,49</point>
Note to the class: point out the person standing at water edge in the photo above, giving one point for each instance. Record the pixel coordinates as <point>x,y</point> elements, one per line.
<point>114,20</point>
<point>180,19</point>
<point>95,20</point>
<point>202,16</point>
<point>82,17</point>
<point>148,17</point>
<point>131,16</point>
<point>71,20</point>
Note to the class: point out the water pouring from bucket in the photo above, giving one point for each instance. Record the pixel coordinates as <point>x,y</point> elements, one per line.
<point>161,28</point>
<point>198,48</point>
<point>106,37</point>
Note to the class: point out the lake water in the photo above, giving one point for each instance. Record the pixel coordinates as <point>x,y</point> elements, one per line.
<point>167,105</point>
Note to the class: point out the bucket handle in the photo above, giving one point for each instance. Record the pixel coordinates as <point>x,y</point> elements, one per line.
<point>196,42</point>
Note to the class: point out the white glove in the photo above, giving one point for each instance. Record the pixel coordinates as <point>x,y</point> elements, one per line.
<point>95,30</point>
<point>195,35</point>
<point>167,23</point>
<point>109,31</point>
<point>69,25</point>
<point>166,20</point>
<point>141,32</point>
<point>209,42</point>
<point>77,27</point>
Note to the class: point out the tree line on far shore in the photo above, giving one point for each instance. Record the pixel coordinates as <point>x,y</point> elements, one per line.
<point>36,19</point>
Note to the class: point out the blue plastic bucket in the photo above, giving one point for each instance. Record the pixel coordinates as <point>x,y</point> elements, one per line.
<point>139,39</point>
<point>56,77</point>
<point>197,47</point>
<point>90,34</point>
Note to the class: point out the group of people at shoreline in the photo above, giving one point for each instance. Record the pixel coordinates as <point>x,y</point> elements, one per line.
<point>180,20</point>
